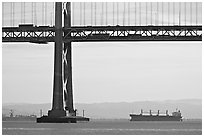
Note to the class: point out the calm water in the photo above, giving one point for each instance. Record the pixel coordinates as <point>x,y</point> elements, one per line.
<point>121,127</point>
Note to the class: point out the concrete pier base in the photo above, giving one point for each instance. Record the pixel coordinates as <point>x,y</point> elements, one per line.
<point>65,119</point>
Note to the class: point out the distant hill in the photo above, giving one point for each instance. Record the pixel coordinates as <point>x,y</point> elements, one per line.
<point>190,108</point>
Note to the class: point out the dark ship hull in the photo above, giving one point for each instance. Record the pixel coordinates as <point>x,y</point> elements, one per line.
<point>135,117</point>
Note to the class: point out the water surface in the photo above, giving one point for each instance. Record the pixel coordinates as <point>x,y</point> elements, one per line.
<point>102,127</point>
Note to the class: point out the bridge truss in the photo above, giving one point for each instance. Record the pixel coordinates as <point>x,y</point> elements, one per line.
<point>44,34</point>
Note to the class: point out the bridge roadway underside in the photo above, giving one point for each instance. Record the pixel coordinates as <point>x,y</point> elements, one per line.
<point>45,34</point>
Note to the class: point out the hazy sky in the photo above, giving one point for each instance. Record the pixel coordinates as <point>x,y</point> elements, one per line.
<point>105,72</point>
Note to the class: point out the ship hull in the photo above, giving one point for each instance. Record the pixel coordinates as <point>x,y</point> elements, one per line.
<point>154,118</point>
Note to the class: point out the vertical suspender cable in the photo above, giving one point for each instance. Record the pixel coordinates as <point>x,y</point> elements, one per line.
<point>113,13</point>
<point>162,13</point>
<point>80,14</point>
<point>179,13</point>
<point>185,16</point>
<point>106,13</point>
<point>168,12</point>
<point>3,5</point>
<point>185,11</point>
<point>12,19</point>
<point>117,13</point>
<point>124,14</point>
<point>14,13</point>
<point>35,13</point>
<point>151,11</point>
<point>157,17</point>
<point>135,13</point>
<point>196,13</point>
<point>21,12</point>
<point>128,13</point>
<point>91,13</point>
<point>173,13</point>
<point>50,17</point>
<point>191,13</point>
<point>140,13</point>
<point>163,21</point>
<point>102,15</point>
<point>73,13</point>
<point>84,13</point>
<point>24,12</point>
<point>45,13</point>
<point>146,12</point>
<point>53,15</point>
<point>32,12</point>
<point>95,13</point>
<point>11,13</point>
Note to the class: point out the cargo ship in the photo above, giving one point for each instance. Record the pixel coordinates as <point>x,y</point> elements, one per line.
<point>175,116</point>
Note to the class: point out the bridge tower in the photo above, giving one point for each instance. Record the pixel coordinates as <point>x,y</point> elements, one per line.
<point>62,73</point>
<point>57,102</point>
<point>67,63</point>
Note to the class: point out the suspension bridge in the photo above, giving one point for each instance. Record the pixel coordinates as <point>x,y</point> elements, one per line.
<point>64,23</point>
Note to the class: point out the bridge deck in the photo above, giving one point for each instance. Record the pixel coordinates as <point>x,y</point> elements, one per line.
<point>44,34</point>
